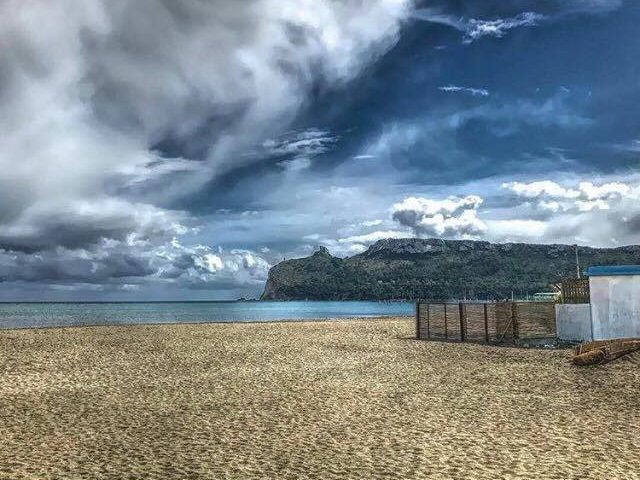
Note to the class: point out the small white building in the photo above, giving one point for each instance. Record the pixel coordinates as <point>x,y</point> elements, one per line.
<point>615,301</point>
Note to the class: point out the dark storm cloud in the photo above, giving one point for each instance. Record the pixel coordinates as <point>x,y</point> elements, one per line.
<point>113,262</point>
<point>84,224</point>
<point>113,110</point>
<point>66,266</point>
<point>632,224</point>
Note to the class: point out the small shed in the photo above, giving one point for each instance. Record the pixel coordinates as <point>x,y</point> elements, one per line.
<point>615,301</point>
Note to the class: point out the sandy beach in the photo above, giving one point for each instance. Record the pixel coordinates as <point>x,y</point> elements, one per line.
<point>321,400</point>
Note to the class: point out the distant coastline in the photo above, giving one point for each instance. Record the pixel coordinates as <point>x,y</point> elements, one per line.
<point>395,269</point>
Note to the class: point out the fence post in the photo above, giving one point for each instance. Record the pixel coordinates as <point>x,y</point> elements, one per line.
<point>486,324</point>
<point>461,313</point>
<point>446,329</point>
<point>418,319</point>
<point>514,321</point>
<point>428,321</point>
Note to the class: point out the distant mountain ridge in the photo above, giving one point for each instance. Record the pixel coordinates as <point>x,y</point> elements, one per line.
<point>435,268</point>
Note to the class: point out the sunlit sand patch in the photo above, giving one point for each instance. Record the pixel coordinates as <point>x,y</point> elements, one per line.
<point>327,400</point>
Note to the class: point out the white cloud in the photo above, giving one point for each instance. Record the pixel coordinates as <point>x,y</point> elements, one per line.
<point>606,213</point>
<point>473,29</point>
<point>588,205</point>
<point>554,197</point>
<point>372,237</point>
<point>516,229</point>
<point>430,207</point>
<point>481,92</point>
<point>545,188</point>
<point>200,265</point>
<point>454,216</point>
<point>552,205</point>
<point>209,262</point>
<point>611,220</point>
<point>476,29</point>
<point>607,190</point>
<point>372,223</point>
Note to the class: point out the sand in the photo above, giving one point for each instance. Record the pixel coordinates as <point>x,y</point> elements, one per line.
<point>325,400</point>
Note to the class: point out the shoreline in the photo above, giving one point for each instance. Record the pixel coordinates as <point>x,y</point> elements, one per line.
<point>360,318</point>
<point>119,302</point>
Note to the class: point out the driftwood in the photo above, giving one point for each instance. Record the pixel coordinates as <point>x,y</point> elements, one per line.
<point>604,351</point>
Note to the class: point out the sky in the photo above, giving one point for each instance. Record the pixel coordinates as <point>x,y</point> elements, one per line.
<point>162,150</point>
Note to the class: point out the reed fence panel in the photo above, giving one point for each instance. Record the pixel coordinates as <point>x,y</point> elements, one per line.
<point>438,321</point>
<point>535,319</point>
<point>576,290</point>
<point>491,322</point>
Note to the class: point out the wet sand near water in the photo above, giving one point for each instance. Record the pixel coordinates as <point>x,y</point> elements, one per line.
<point>323,400</point>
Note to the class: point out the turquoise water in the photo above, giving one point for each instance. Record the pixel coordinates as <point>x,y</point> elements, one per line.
<point>24,315</point>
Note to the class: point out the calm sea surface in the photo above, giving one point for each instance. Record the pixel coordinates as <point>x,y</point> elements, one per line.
<point>22,315</point>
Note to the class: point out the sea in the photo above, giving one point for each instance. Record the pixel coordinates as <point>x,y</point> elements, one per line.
<point>38,315</point>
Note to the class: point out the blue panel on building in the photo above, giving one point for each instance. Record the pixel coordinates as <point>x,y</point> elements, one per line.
<point>613,270</point>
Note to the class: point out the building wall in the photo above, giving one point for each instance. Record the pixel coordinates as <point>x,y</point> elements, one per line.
<point>573,322</point>
<point>615,306</point>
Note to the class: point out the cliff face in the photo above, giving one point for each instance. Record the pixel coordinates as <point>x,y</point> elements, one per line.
<point>433,268</point>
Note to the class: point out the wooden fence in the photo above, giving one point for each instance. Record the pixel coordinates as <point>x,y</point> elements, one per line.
<point>496,322</point>
<point>576,291</point>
